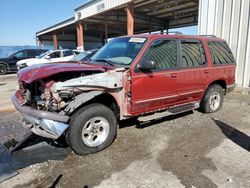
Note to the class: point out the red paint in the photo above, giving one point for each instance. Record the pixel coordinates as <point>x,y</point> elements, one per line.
<point>160,90</point>
<point>149,92</point>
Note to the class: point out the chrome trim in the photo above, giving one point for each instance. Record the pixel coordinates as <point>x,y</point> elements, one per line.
<point>155,99</point>
<point>44,127</point>
<point>191,92</point>
<point>167,97</point>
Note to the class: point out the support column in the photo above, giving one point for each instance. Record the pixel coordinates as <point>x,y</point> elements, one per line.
<point>55,41</point>
<point>80,35</point>
<point>39,42</point>
<point>130,18</point>
<point>106,29</point>
<point>150,26</point>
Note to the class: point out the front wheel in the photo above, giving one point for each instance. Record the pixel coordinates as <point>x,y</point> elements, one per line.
<point>213,99</point>
<point>3,69</point>
<point>92,128</point>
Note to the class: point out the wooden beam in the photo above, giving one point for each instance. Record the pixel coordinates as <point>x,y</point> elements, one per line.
<point>130,18</point>
<point>55,41</point>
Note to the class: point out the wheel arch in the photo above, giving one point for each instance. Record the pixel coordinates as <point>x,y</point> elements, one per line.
<point>100,97</point>
<point>6,64</point>
<point>220,82</point>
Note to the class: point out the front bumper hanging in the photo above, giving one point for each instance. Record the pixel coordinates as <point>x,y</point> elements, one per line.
<point>43,123</point>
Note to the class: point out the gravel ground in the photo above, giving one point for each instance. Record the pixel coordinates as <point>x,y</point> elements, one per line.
<point>188,150</point>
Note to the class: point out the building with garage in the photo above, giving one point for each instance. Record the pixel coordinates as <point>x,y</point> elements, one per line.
<point>96,21</point>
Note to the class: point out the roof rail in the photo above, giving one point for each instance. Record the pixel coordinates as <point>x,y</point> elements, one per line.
<point>207,35</point>
<point>174,32</point>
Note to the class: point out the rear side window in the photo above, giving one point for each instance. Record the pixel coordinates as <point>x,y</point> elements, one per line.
<point>67,53</point>
<point>54,55</point>
<point>163,53</point>
<point>192,54</point>
<point>38,52</point>
<point>221,53</point>
<point>31,53</point>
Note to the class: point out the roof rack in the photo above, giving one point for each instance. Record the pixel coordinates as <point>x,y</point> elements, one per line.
<point>171,32</point>
<point>207,35</point>
<point>174,32</point>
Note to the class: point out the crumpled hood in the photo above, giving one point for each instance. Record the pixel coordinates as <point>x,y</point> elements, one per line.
<point>30,74</point>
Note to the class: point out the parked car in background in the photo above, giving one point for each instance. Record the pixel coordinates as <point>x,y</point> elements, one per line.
<point>9,63</point>
<point>77,52</point>
<point>84,56</point>
<point>47,57</point>
<point>129,77</point>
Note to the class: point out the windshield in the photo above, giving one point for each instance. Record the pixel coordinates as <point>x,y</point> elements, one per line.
<point>121,51</point>
<point>43,54</point>
<point>80,56</point>
<point>85,56</point>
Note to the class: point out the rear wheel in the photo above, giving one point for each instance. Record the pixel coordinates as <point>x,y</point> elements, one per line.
<point>213,99</point>
<point>3,69</point>
<point>92,128</point>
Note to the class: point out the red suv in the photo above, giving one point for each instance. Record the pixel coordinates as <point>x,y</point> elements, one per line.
<point>129,77</point>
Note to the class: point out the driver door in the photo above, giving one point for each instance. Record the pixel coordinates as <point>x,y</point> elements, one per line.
<point>156,89</point>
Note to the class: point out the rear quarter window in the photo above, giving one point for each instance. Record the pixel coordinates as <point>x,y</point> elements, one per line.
<point>67,53</point>
<point>221,53</point>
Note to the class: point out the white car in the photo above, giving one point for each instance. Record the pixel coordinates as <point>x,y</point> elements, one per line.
<point>47,57</point>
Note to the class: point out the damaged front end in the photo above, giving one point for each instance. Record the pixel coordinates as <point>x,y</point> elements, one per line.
<point>46,103</point>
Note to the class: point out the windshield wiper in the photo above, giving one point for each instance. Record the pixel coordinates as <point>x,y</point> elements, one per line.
<point>106,61</point>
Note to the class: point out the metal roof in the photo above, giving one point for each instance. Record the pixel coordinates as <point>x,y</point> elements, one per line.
<point>154,14</point>
<point>61,24</point>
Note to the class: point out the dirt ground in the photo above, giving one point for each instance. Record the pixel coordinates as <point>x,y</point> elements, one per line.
<point>8,84</point>
<point>188,150</point>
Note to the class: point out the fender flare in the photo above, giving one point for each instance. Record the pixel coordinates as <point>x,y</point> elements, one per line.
<point>81,99</point>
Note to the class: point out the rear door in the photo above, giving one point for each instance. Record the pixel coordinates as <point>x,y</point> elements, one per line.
<point>156,89</point>
<point>193,71</point>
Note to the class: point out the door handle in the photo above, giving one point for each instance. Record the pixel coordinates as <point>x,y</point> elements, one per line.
<point>172,75</point>
<point>206,71</point>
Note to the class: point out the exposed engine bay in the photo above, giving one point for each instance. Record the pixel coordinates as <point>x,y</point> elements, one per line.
<point>55,93</point>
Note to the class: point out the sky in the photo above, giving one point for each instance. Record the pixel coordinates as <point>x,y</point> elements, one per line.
<point>21,19</point>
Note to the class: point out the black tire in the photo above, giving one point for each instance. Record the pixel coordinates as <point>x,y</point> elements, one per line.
<point>213,90</point>
<point>81,118</point>
<point>3,69</point>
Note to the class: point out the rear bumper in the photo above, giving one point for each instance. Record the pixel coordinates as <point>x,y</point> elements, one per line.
<point>42,123</point>
<point>230,88</point>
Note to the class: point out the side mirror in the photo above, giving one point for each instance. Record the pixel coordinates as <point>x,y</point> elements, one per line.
<point>47,57</point>
<point>147,65</point>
